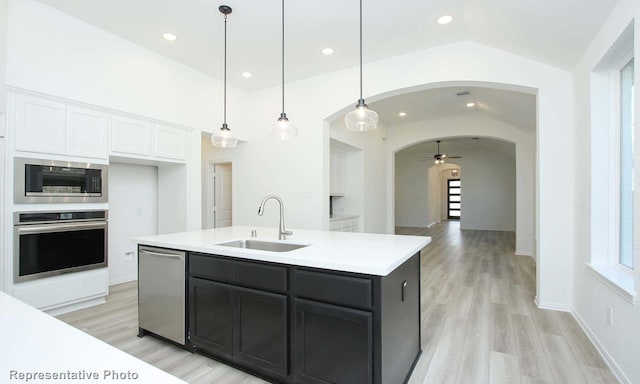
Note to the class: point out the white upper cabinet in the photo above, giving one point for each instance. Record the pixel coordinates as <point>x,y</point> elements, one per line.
<point>131,136</point>
<point>87,132</point>
<point>44,124</point>
<point>40,125</point>
<point>171,143</point>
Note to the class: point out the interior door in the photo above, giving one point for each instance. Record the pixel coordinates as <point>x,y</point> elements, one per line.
<point>222,205</point>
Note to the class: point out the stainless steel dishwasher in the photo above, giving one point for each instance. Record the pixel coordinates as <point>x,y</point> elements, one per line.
<point>161,293</point>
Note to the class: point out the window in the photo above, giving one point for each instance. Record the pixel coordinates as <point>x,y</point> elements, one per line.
<point>626,166</point>
<point>454,189</point>
<point>612,171</point>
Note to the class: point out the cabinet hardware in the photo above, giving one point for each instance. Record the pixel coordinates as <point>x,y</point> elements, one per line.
<point>404,285</point>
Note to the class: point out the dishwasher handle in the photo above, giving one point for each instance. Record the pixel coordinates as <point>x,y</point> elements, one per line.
<point>162,253</point>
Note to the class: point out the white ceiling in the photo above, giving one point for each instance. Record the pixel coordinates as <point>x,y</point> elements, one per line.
<point>513,108</point>
<point>459,146</point>
<point>552,31</point>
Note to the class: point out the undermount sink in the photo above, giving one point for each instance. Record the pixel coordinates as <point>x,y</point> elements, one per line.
<point>263,245</point>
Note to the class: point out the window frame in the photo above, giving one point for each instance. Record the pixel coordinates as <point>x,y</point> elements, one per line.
<point>605,132</point>
<point>615,134</point>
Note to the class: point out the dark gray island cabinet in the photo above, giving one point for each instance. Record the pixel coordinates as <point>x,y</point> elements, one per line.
<point>291,324</point>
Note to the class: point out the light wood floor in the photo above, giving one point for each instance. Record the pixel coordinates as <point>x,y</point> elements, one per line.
<point>479,322</point>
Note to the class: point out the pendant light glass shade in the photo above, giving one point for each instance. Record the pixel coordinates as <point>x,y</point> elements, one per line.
<point>283,129</point>
<point>362,118</point>
<point>223,138</point>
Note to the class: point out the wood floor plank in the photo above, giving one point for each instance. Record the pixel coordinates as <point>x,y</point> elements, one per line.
<point>583,349</point>
<point>563,365</point>
<point>503,369</point>
<point>446,358</point>
<point>501,331</point>
<point>598,376</point>
<point>531,355</point>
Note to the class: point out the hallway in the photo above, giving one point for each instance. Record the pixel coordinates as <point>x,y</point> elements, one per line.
<point>479,320</point>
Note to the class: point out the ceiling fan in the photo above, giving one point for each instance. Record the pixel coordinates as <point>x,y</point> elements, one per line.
<point>439,157</point>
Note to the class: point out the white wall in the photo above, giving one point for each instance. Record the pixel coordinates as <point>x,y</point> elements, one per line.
<point>620,342</point>
<point>412,183</point>
<point>488,191</point>
<point>133,212</point>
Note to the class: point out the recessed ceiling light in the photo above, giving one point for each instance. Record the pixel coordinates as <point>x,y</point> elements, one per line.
<point>327,51</point>
<point>471,105</point>
<point>247,75</point>
<point>444,19</point>
<point>402,114</point>
<point>169,36</point>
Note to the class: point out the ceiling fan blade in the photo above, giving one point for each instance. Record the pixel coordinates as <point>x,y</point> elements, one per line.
<point>454,157</point>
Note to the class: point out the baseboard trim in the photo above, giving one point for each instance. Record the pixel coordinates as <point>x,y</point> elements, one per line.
<point>552,306</point>
<point>524,253</point>
<point>615,369</point>
<point>125,280</point>
<point>432,224</point>
<point>75,306</point>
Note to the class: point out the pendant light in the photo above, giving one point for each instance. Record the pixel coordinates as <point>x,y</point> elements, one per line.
<point>362,118</point>
<point>223,139</point>
<point>283,129</point>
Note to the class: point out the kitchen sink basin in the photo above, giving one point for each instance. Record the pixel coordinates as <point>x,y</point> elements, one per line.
<point>263,245</point>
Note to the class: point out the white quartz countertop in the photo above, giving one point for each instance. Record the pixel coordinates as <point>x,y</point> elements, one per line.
<point>374,254</point>
<point>36,347</point>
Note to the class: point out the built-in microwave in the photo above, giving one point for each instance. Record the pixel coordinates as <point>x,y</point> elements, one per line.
<point>51,181</point>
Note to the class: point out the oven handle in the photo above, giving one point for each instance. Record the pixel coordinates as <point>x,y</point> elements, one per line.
<point>66,227</point>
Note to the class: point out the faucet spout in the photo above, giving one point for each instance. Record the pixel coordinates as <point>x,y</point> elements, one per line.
<point>282,233</point>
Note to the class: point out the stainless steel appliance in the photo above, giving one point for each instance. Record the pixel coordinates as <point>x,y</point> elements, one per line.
<point>50,181</point>
<point>53,243</point>
<point>161,293</point>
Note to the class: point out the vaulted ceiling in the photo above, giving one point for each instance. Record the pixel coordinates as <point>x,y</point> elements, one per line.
<point>555,32</point>
<point>551,31</point>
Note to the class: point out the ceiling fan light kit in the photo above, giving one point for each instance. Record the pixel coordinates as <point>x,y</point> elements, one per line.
<point>224,139</point>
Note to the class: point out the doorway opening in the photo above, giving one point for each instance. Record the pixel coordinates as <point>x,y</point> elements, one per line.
<point>219,204</point>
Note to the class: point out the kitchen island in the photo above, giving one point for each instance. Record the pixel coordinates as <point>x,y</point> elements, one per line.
<point>319,307</point>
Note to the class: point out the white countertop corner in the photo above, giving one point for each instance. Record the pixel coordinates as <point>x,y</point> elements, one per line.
<point>38,344</point>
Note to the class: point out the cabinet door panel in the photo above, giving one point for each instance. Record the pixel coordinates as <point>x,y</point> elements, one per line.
<point>131,136</point>
<point>332,344</point>
<point>40,125</point>
<point>87,133</point>
<point>261,330</point>
<point>171,142</point>
<point>211,316</point>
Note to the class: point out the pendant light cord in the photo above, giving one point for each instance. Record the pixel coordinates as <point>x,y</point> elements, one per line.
<point>360,49</point>
<point>225,70</point>
<point>283,57</point>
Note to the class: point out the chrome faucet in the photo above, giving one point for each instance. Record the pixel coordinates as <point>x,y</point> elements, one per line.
<point>282,232</point>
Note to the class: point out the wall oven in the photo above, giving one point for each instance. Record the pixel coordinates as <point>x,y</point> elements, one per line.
<point>50,181</point>
<point>53,243</point>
